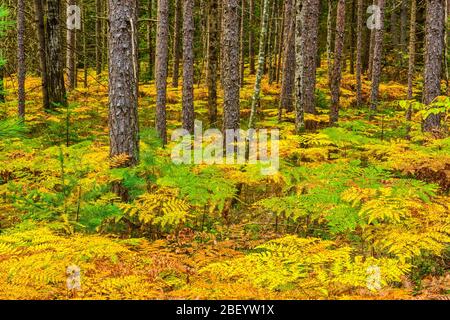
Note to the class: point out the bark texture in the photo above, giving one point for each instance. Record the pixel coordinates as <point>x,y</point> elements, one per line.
<point>213,59</point>
<point>336,75</point>
<point>188,65</point>
<point>230,72</point>
<point>434,53</point>
<point>162,51</point>
<point>288,73</point>
<point>123,117</point>
<point>56,86</point>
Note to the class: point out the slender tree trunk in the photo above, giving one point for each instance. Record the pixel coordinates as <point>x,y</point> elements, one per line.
<point>377,57</point>
<point>434,53</point>
<point>98,37</point>
<point>329,36</point>
<point>259,74</point>
<point>411,63</point>
<point>85,35</point>
<point>242,57</point>
<point>213,59</point>
<point>335,80</point>
<point>177,42</point>
<point>251,37</point>
<point>162,51</point>
<point>412,50</point>
<point>371,50</point>
<point>21,64</point>
<point>230,72</point>
<point>359,53</point>
<point>39,11</point>
<point>71,54</point>
<point>306,51</point>
<point>273,52</point>
<point>352,38</point>
<point>150,46</point>
<point>280,43</point>
<point>2,83</point>
<point>188,65</point>
<point>288,74</point>
<point>57,89</point>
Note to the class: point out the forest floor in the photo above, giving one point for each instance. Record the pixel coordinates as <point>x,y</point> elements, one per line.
<point>356,211</point>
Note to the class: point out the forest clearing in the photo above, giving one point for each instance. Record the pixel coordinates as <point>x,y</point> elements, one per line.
<point>94,205</point>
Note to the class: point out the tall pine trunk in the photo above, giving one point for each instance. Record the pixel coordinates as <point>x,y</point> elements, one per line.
<point>188,65</point>
<point>288,73</point>
<point>336,74</point>
<point>162,52</point>
<point>434,53</point>
<point>213,59</point>
<point>359,45</point>
<point>306,51</point>
<point>260,71</point>
<point>123,80</point>
<point>21,64</point>
<point>179,4</point>
<point>40,30</point>
<point>377,59</point>
<point>57,89</point>
<point>230,72</point>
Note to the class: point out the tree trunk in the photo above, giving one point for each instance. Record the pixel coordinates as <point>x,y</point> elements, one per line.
<point>359,52</point>
<point>188,65</point>
<point>57,89</point>
<point>335,80</point>
<point>230,72</point>
<point>39,14</point>
<point>411,63</point>
<point>213,59</point>
<point>412,49</point>
<point>162,51</point>
<point>150,47</point>
<point>260,71</point>
<point>251,37</point>
<point>71,53</point>
<point>242,57</point>
<point>177,42</point>
<point>123,100</point>
<point>377,57</point>
<point>434,53</point>
<point>98,37</point>
<point>329,36</point>
<point>288,73</point>
<point>21,64</point>
<point>306,52</point>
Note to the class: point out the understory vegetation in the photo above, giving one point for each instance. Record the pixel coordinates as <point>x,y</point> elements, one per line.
<point>364,194</point>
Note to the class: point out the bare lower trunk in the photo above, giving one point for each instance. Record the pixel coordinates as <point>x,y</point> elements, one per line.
<point>38,7</point>
<point>177,42</point>
<point>335,81</point>
<point>377,57</point>
<point>162,51</point>
<point>434,53</point>
<point>71,53</point>
<point>230,72</point>
<point>306,51</point>
<point>359,53</point>
<point>57,89</point>
<point>251,37</point>
<point>123,117</point>
<point>261,55</point>
<point>188,65</point>
<point>213,59</point>
<point>288,73</point>
<point>21,65</point>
